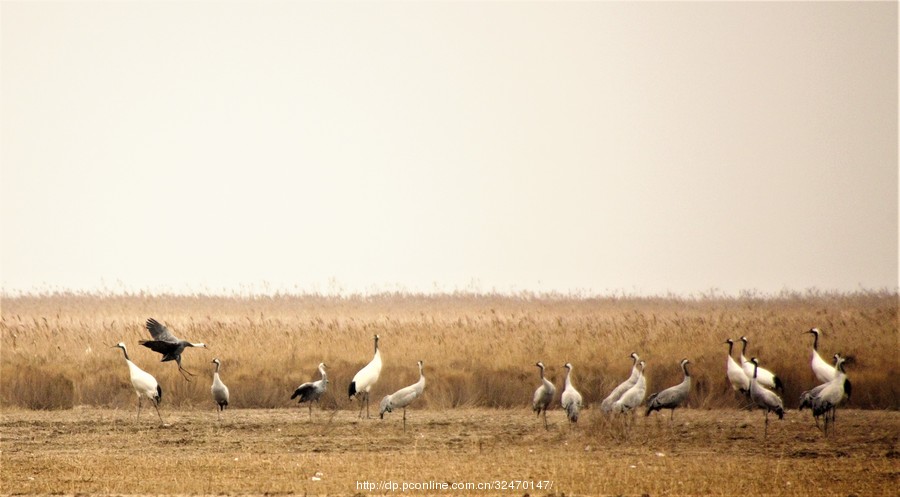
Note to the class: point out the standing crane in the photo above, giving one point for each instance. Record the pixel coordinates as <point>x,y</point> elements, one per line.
<point>766,399</point>
<point>671,397</point>
<point>571,398</point>
<point>219,390</point>
<point>616,394</point>
<point>806,398</point>
<point>832,395</point>
<point>144,384</point>
<point>365,379</point>
<point>634,395</point>
<point>824,372</point>
<point>739,380</point>
<point>168,345</point>
<point>543,396</point>
<point>404,396</point>
<point>312,390</point>
<point>765,377</point>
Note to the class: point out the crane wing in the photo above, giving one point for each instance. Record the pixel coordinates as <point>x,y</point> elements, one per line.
<point>160,332</point>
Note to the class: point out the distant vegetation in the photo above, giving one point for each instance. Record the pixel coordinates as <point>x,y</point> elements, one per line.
<point>479,350</point>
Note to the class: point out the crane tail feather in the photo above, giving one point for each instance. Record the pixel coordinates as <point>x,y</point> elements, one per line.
<point>352,390</point>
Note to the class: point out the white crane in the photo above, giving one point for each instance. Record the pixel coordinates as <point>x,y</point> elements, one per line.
<point>616,394</point>
<point>144,384</point>
<point>832,395</point>
<point>570,399</point>
<point>543,396</point>
<point>365,379</point>
<point>312,390</point>
<point>765,377</point>
<point>219,390</point>
<point>634,395</point>
<point>404,396</point>
<point>766,399</point>
<point>739,380</point>
<point>824,372</point>
<point>671,397</point>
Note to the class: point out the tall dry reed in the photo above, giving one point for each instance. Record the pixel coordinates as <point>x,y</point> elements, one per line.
<point>478,350</point>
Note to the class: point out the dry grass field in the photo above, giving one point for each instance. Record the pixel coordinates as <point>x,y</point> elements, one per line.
<point>280,451</point>
<point>67,407</point>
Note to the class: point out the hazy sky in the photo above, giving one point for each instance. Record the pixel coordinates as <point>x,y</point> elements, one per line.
<point>601,147</point>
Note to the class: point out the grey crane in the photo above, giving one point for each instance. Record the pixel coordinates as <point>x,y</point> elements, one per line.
<point>634,395</point>
<point>806,398</point>
<point>312,390</point>
<point>144,384</point>
<point>404,396</point>
<point>766,399</point>
<point>571,398</point>
<point>671,397</point>
<point>616,394</point>
<point>543,396</point>
<point>168,344</point>
<point>832,395</point>
<point>219,390</point>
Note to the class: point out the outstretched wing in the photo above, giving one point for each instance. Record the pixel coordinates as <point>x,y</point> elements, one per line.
<point>303,391</point>
<point>160,346</point>
<point>160,332</point>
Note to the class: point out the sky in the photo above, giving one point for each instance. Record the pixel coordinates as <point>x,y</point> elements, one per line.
<point>597,148</point>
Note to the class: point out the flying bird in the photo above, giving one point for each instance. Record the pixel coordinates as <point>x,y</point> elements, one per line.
<point>168,345</point>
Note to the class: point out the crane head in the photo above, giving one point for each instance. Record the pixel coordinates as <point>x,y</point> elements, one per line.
<point>568,366</point>
<point>539,364</point>
<point>216,361</point>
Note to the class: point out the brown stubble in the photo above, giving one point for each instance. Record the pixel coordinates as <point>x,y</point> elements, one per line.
<point>88,450</point>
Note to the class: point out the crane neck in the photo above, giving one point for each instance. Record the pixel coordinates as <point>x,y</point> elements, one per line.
<point>323,373</point>
<point>730,348</point>
<point>126,354</point>
<point>569,378</point>
<point>816,342</point>
<point>755,369</point>
<point>744,347</point>
<point>684,367</point>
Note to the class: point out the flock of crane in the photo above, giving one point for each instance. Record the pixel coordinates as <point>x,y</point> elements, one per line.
<point>746,377</point>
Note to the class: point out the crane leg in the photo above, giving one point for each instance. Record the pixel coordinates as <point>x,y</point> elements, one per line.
<point>139,408</point>
<point>766,435</point>
<point>404,419</point>
<point>310,411</point>
<point>183,371</point>
<point>156,405</point>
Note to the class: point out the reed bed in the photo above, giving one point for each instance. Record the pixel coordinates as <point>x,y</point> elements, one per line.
<point>479,350</point>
